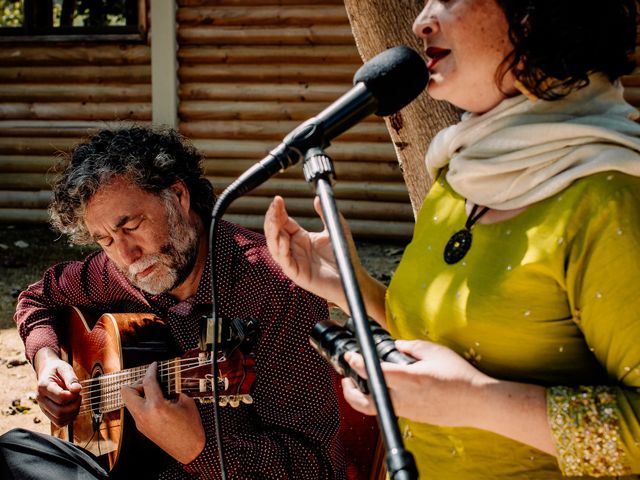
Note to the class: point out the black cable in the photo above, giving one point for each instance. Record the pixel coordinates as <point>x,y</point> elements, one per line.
<point>214,341</point>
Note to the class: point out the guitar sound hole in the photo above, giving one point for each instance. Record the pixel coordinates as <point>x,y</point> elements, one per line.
<point>95,397</point>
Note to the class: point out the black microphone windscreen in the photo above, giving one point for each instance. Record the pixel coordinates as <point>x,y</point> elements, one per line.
<point>395,77</point>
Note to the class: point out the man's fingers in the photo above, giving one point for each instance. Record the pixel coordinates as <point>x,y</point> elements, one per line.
<point>152,390</point>
<point>60,415</point>
<point>52,389</point>
<point>132,398</point>
<point>69,378</point>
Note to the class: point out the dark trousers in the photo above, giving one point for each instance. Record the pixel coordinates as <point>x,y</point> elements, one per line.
<point>26,455</point>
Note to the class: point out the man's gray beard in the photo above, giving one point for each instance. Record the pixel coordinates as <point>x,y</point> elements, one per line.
<point>177,257</point>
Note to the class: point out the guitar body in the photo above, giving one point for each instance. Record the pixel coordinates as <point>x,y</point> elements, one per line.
<point>112,343</point>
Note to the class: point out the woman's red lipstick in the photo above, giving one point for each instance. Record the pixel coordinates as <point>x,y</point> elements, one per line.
<point>435,54</point>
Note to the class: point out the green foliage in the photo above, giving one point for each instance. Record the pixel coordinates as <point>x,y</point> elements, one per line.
<point>81,13</point>
<point>11,14</point>
<point>102,13</point>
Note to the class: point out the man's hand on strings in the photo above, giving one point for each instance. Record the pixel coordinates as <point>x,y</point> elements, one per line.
<point>172,424</point>
<point>58,387</point>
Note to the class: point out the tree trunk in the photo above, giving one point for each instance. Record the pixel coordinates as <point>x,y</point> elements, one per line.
<point>381,24</point>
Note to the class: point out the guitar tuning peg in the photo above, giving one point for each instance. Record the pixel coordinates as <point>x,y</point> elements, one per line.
<point>223,400</point>
<point>234,400</point>
<point>205,400</point>
<point>223,382</point>
<point>247,399</point>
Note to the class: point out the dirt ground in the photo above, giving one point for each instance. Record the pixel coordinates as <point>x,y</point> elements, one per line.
<point>25,252</point>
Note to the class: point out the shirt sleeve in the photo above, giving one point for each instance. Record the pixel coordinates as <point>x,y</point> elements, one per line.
<point>38,312</point>
<point>597,427</point>
<point>294,432</point>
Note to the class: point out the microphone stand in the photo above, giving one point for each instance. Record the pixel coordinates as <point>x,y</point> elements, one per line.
<point>318,169</point>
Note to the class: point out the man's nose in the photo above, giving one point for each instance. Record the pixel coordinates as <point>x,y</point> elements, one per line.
<point>128,251</point>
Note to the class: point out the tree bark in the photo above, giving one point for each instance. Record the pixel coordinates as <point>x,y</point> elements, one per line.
<point>381,24</point>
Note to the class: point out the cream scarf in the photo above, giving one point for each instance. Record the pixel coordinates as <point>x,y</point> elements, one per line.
<point>522,152</point>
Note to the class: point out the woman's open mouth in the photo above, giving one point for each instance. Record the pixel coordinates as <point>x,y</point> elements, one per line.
<point>436,54</point>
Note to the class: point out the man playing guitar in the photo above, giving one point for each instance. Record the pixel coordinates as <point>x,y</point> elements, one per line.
<point>141,195</point>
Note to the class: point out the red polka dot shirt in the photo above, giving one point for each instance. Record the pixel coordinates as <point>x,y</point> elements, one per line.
<point>290,430</point>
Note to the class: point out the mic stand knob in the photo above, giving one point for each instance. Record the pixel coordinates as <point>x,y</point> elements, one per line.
<point>318,164</point>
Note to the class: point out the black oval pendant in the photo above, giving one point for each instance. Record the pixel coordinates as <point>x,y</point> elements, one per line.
<point>457,246</point>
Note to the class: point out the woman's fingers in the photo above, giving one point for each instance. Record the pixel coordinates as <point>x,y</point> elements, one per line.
<point>358,400</point>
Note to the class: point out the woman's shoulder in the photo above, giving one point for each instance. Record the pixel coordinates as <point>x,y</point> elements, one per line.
<point>601,188</point>
<point>596,205</point>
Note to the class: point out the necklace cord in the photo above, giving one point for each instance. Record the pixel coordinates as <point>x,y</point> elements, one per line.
<point>473,218</point>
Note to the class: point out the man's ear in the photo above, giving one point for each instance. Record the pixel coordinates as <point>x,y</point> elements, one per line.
<point>182,194</point>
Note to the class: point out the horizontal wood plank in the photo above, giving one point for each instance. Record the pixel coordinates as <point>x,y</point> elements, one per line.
<point>263,15</point>
<point>106,54</point>
<point>314,35</point>
<point>107,111</point>
<point>76,74</point>
<point>267,73</point>
<point>268,54</point>
<point>79,92</point>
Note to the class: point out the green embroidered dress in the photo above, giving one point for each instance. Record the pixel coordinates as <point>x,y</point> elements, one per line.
<point>551,297</point>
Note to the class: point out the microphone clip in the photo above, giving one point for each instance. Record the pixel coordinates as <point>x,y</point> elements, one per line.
<point>232,333</point>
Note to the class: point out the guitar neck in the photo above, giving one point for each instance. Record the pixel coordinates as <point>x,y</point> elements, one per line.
<point>101,394</point>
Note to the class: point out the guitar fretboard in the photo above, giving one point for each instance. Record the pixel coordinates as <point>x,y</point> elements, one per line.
<point>102,394</point>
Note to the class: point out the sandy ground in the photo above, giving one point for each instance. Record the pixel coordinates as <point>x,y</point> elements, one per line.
<point>18,387</point>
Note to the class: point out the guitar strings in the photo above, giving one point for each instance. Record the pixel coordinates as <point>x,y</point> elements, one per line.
<point>98,383</point>
<point>163,367</point>
<point>113,400</point>
<point>108,385</point>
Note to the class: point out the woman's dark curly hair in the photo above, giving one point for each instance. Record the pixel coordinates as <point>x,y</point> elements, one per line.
<point>561,42</point>
<point>152,159</point>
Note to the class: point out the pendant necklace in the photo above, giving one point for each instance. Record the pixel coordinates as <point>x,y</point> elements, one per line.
<point>460,242</point>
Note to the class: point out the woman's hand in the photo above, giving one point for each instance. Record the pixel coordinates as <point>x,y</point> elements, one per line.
<point>305,257</point>
<point>436,389</point>
<point>441,388</point>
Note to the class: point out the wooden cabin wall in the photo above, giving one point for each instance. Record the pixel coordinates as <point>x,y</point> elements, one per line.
<point>252,70</point>
<point>249,70</point>
<point>52,96</point>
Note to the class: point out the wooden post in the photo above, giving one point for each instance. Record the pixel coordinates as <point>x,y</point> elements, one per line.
<point>381,24</point>
<point>164,63</point>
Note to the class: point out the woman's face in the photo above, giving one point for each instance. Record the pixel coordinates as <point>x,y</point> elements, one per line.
<point>465,42</point>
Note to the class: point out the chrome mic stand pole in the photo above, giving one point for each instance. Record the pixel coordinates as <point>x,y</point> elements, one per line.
<point>318,169</point>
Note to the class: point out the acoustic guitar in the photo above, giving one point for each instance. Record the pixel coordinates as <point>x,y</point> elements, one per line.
<point>115,350</point>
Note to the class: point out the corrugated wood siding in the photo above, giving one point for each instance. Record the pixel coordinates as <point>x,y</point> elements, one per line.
<point>251,71</point>
<point>51,96</point>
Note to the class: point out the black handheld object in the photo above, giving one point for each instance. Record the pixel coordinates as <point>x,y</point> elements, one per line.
<point>232,333</point>
<point>383,85</point>
<point>332,341</point>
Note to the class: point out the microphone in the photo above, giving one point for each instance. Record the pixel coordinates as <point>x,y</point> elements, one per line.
<point>383,85</point>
